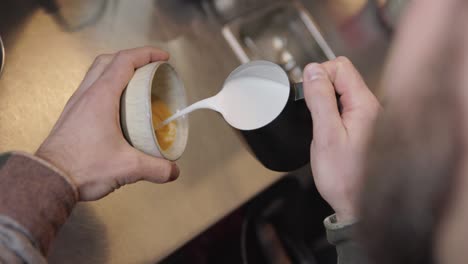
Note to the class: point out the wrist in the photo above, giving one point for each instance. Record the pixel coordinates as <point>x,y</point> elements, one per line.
<point>346,215</point>
<point>52,164</point>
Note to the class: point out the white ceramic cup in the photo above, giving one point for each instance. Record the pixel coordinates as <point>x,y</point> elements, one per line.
<point>160,79</point>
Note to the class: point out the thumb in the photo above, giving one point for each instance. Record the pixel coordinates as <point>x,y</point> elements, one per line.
<point>153,169</point>
<point>319,94</point>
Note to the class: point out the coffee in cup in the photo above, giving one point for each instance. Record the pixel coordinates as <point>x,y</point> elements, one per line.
<point>167,134</point>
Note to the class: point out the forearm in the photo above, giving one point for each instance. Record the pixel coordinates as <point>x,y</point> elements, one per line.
<point>35,200</point>
<point>342,236</point>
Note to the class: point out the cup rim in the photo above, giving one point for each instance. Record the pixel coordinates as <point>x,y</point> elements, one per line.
<point>136,113</point>
<point>181,88</point>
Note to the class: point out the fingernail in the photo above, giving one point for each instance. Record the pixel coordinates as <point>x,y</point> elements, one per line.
<point>313,71</point>
<point>174,173</point>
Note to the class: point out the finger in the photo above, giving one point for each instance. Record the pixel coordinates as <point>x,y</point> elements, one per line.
<point>152,169</point>
<point>320,97</point>
<point>123,65</point>
<point>348,83</point>
<point>344,75</point>
<point>94,72</point>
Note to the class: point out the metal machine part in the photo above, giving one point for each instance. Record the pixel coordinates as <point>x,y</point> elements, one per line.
<point>298,91</point>
<point>284,33</point>
<point>75,15</point>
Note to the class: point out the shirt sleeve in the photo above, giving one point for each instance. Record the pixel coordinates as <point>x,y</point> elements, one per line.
<point>16,244</point>
<point>35,201</point>
<point>341,235</point>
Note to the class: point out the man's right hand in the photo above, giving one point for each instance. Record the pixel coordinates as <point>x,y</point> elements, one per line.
<point>338,147</point>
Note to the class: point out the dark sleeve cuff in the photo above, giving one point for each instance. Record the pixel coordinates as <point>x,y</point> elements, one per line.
<point>36,195</point>
<point>342,235</point>
<point>338,231</point>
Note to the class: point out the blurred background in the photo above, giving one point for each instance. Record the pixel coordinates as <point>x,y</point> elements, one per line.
<point>226,207</point>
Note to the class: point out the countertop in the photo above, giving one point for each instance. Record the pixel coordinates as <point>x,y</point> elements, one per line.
<point>144,222</point>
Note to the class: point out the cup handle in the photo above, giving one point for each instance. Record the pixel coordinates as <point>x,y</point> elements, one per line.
<point>298,91</point>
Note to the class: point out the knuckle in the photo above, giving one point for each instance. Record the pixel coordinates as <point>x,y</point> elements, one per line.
<point>122,56</point>
<point>320,86</point>
<point>95,93</point>
<point>315,67</point>
<point>101,59</point>
<point>121,53</point>
<point>314,72</point>
<point>342,60</point>
<point>312,65</point>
